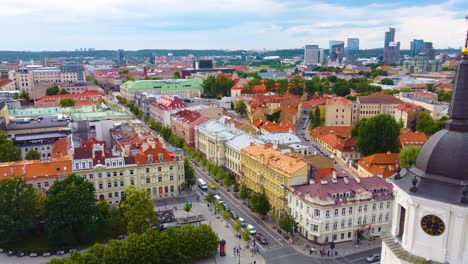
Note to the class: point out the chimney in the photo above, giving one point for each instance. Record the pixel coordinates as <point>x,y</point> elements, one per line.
<point>334,174</point>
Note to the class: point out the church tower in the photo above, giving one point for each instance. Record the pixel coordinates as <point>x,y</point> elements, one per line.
<point>430,214</point>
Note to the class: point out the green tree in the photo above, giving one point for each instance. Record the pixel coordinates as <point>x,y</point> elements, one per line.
<point>237,226</point>
<point>226,216</point>
<point>177,75</point>
<point>244,192</point>
<point>253,201</point>
<point>189,174</point>
<point>407,154</point>
<point>241,108</point>
<point>444,96</point>
<point>53,90</point>
<point>8,152</point>
<point>187,209</point>
<point>70,211</point>
<point>332,78</point>
<point>33,155</point>
<point>246,236</point>
<point>63,91</point>
<point>137,209</point>
<point>378,134</point>
<point>210,197</point>
<point>19,209</point>
<point>24,95</point>
<point>287,222</point>
<point>220,174</point>
<point>228,181</point>
<point>67,102</point>
<point>386,81</point>
<point>263,205</point>
<point>425,123</point>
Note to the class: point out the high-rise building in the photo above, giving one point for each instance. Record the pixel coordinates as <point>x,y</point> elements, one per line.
<point>353,44</point>
<point>120,56</point>
<point>416,46</point>
<point>389,37</point>
<point>313,55</point>
<point>430,212</point>
<point>428,49</point>
<point>336,51</point>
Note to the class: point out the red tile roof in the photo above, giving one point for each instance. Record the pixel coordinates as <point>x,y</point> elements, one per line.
<point>406,107</point>
<point>379,98</point>
<point>169,103</point>
<point>152,155</point>
<point>5,82</point>
<point>36,169</point>
<point>413,139</point>
<point>338,99</point>
<point>384,164</point>
<point>341,131</point>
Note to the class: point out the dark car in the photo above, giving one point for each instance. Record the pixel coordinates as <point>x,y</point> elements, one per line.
<point>260,238</point>
<point>234,215</point>
<point>20,254</point>
<point>227,208</point>
<point>11,253</point>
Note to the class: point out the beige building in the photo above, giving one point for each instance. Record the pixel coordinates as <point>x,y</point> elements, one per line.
<point>340,112</point>
<point>376,104</point>
<point>264,167</point>
<point>407,113</point>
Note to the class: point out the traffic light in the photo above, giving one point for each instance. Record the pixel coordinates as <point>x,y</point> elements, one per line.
<point>332,245</point>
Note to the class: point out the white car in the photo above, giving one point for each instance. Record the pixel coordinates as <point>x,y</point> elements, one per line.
<point>251,229</point>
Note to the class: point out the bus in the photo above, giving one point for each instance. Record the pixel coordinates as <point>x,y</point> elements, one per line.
<point>202,185</point>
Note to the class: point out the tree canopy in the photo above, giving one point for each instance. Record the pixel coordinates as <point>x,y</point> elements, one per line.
<point>137,209</point>
<point>67,102</point>
<point>71,211</point>
<point>53,90</point>
<point>173,245</point>
<point>377,134</point>
<point>287,222</point>
<point>189,174</point>
<point>241,107</point>
<point>408,154</point>
<point>8,152</point>
<point>217,87</point>
<point>262,205</point>
<point>426,124</point>
<point>33,155</point>
<point>386,81</point>
<point>19,206</point>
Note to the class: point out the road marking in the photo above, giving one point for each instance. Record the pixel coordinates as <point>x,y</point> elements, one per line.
<point>233,202</point>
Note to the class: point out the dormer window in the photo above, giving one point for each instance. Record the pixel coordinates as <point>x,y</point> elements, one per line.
<point>161,157</point>
<point>150,158</point>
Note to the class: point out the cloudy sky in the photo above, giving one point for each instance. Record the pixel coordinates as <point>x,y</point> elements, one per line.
<point>223,24</point>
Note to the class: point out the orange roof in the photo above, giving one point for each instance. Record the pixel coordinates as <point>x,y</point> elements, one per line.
<point>266,155</point>
<point>287,108</point>
<point>340,131</point>
<point>60,147</point>
<point>35,169</point>
<point>384,67</point>
<point>338,99</point>
<point>5,82</point>
<point>406,107</point>
<point>348,145</point>
<point>413,139</point>
<point>143,156</point>
<point>331,140</point>
<point>322,172</point>
<point>384,164</point>
<point>284,126</point>
<point>260,88</point>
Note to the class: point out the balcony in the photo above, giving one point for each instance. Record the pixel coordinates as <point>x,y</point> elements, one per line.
<point>394,245</point>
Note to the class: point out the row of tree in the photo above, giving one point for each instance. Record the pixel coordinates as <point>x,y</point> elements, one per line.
<point>55,89</point>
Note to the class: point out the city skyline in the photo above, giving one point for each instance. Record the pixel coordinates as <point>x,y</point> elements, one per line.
<point>261,24</point>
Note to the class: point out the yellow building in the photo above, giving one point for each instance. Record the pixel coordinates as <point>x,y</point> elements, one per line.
<point>265,166</point>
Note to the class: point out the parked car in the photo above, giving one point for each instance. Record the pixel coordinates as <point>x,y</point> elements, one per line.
<point>306,139</point>
<point>373,258</point>
<point>243,222</point>
<point>47,254</point>
<point>20,254</point>
<point>260,238</point>
<point>234,215</point>
<point>251,229</point>
<point>61,252</point>
<point>227,208</point>
<point>11,253</point>
<point>33,255</point>
<point>2,250</point>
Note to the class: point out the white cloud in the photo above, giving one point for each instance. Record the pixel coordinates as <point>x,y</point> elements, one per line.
<point>110,24</point>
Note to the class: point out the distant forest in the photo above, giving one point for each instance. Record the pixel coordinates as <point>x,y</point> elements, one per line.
<point>111,54</point>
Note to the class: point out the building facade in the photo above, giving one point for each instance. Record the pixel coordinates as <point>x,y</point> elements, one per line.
<point>183,124</point>
<point>341,112</point>
<point>341,208</point>
<point>313,55</point>
<point>184,88</point>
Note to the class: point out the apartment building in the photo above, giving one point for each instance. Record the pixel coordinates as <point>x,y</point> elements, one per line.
<point>183,124</point>
<point>187,88</point>
<point>423,99</point>
<point>339,208</point>
<point>154,169</point>
<point>407,113</point>
<point>233,151</point>
<point>341,112</point>
<point>376,104</point>
<point>265,167</point>
<point>162,108</point>
<point>380,164</point>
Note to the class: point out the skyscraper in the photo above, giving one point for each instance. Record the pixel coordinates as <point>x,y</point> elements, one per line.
<point>389,37</point>
<point>352,50</point>
<point>353,44</point>
<point>313,55</point>
<point>120,56</point>
<point>416,46</point>
<point>428,50</point>
<point>336,51</point>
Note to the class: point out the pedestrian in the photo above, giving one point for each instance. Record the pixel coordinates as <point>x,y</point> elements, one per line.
<point>255,262</point>
<point>328,254</point>
<point>235,250</point>
<point>238,251</point>
<point>310,251</point>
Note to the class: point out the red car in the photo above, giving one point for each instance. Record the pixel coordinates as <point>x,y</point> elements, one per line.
<point>260,238</point>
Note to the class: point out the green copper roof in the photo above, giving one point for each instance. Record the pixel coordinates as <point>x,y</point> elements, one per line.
<point>146,85</point>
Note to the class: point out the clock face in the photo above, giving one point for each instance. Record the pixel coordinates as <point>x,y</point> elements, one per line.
<point>432,225</point>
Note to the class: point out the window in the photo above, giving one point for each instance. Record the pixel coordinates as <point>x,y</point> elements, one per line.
<point>364,220</point>
<point>121,173</point>
<point>359,220</point>
<point>374,207</point>
<point>166,189</point>
<point>121,183</point>
<point>350,222</point>
<point>336,212</point>
<point>365,208</point>
<point>91,176</point>
<point>335,225</point>
<point>171,178</point>
<point>108,174</point>
<point>116,194</point>
<point>373,219</point>
<point>315,228</point>
<point>326,238</point>
<point>115,173</point>
<point>343,211</point>
<point>159,168</point>
<point>131,172</point>
<point>46,184</point>
<point>360,209</point>
<point>307,210</point>
<point>327,214</point>
<point>148,180</point>
<point>39,185</point>
<point>388,205</point>
<point>172,189</point>
<point>116,184</point>
<point>327,226</point>
<point>380,218</point>
<point>334,236</point>
<point>132,182</point>
<point>171,167</point>
<point>350,210</point>
<point>342,223</point>
<point>109,185</point>
<point>147,170</point>
<point>316,212</point>
<point>342,236</point>
<point>159,179</point>
<point>110,195</point>
<point>99,175</point>
<point>387,217</point>
<point>100,186</point>
<point>349,234</point>
<point>381,206</point>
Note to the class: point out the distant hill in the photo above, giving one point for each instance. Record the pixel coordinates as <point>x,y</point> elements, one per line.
<point>111,54</point>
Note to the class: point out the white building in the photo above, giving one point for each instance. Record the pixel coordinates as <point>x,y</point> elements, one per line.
<point>313,55</point>
<point>341,208</point>
<point>430,216</point>
<point>233,150</point>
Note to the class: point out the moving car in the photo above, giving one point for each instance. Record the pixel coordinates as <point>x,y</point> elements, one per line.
<point>212,186</point>
<point>373,258</point>
<point>260,238</point>
<point>243,222</point>
<point>47,254</point>
<point>251,229</point>
<point>33,254</point>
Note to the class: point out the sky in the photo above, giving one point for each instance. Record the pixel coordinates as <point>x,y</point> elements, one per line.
<point>225,24</point>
